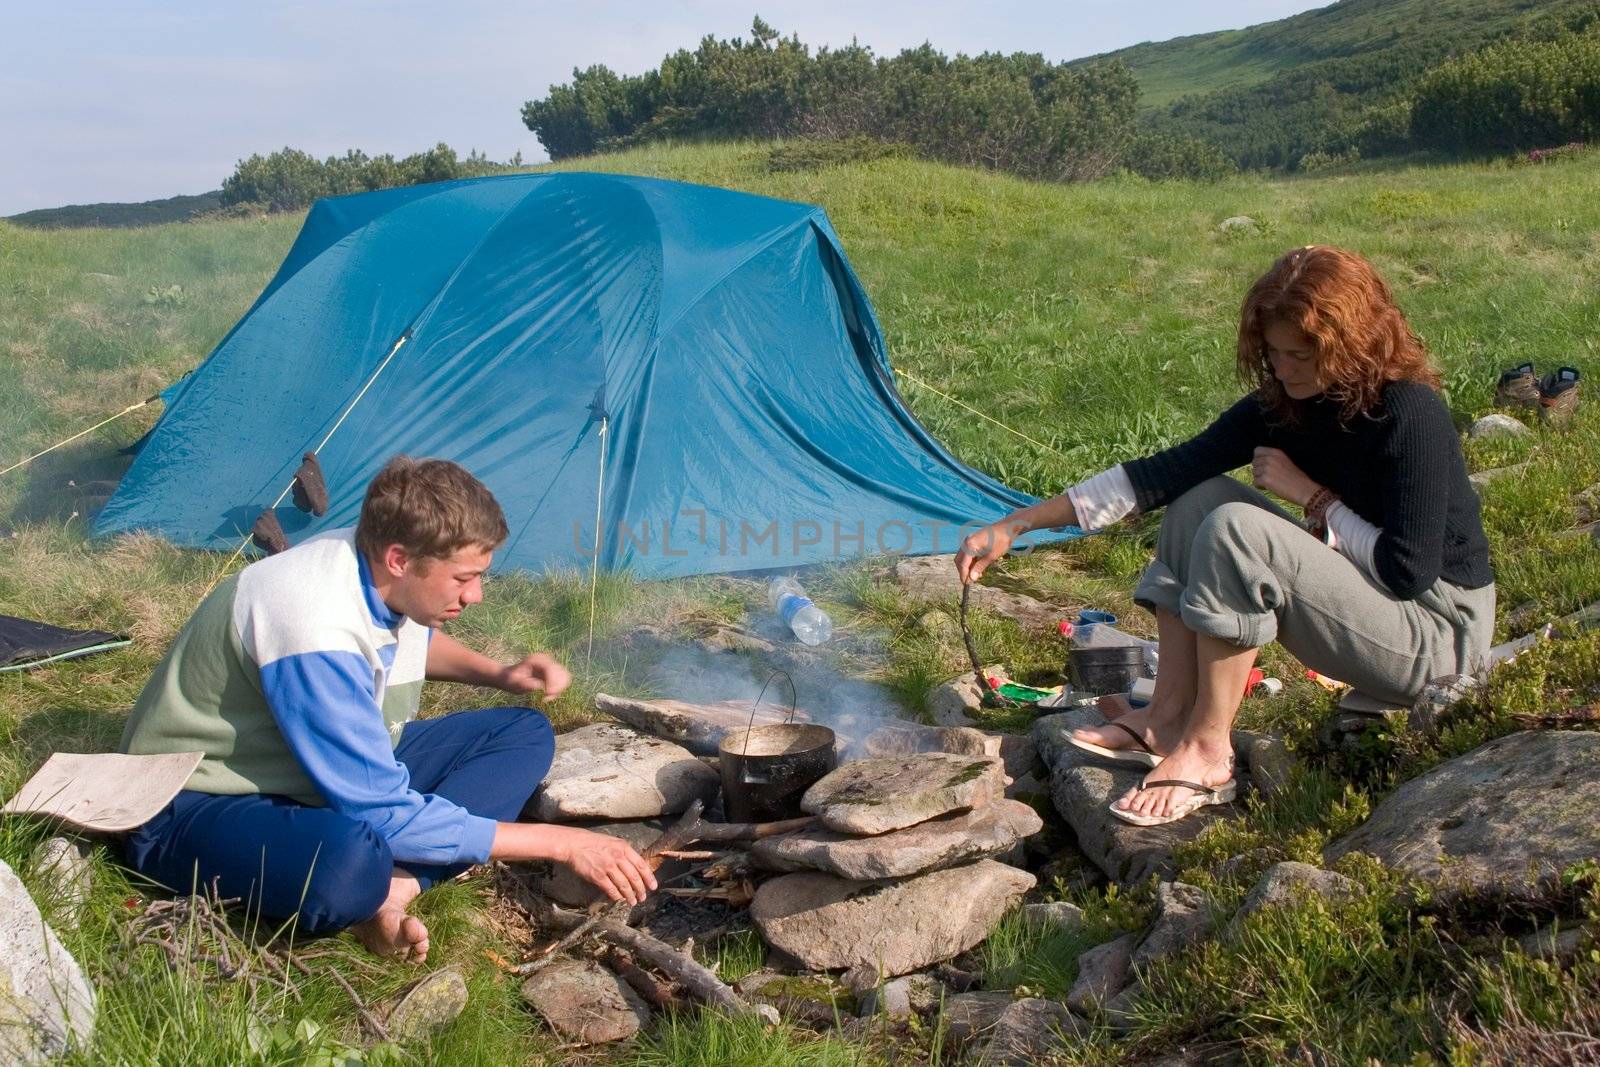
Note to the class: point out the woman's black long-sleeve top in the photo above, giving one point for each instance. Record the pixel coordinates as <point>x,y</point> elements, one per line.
<point>1398,465</point>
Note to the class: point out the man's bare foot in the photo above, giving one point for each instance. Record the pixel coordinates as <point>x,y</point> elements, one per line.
<point>1159,725</point>
<point>1190,761</point>
<point>393,934</point>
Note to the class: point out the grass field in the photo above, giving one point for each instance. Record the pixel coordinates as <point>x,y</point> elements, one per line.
<point>1098,319</point>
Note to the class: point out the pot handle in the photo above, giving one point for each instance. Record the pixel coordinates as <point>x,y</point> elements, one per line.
<point>794,700</point>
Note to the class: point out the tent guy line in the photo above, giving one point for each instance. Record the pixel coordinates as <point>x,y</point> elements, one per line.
<point>130,409</point>
<point>913,378</point>
<point>287,489</point>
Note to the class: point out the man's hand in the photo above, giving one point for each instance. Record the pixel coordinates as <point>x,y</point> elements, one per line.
<point>985,546</point>
<point>537,670</point>
<point>607,862</point>
<point>1275,472</point>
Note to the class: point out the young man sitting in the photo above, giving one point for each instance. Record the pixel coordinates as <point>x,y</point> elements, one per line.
<point>321,798</point>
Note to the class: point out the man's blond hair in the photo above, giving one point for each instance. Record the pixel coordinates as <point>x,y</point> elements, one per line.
<point>430,507</point>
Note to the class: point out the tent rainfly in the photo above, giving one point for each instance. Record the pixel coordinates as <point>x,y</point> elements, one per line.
<point>691,373</point>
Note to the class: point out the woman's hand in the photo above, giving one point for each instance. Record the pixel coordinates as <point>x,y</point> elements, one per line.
<point>1275,472</point>
<point>537,670</point>
<point>607,862</point>
<point>985,546</point>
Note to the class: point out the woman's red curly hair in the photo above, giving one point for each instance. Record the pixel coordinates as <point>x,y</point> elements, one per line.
<point>1360,339</point>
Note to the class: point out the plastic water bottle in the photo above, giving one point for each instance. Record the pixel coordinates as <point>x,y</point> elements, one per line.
<point>809,622</point>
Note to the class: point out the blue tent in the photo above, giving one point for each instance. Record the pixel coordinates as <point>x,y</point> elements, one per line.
<point>701,367</point>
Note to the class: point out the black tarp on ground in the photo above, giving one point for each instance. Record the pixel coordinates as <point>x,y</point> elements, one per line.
<point>25,643</point>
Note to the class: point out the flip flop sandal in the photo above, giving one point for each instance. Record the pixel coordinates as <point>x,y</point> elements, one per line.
<point>1144,756</point>
<point>1205,796</point>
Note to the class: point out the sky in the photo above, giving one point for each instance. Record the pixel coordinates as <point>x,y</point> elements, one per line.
<point>127,100</point>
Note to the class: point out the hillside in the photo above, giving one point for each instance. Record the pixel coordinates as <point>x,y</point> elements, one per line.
<point>145,213</point>
<point>1235,59</point>
<point>1099,320</point>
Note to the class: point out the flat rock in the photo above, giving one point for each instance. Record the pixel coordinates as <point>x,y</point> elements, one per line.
<point>434,1001</point>
<point>933,578</point>
<point>892,998</point>
<point>947,841</point>
<point>1497,424</point>
<point>1121,1012</point>
<point>1483,479</point>
<point>1508,816</point>
<point>874,796</point>
<point>1237,223</point>
<point>811,998</point>
<point>970,1015</point>
<point>47,1006</point>
<point>1283,882</point>
<point>584,1002</point>
<point>561,883</point>
<point>63,864</point>
<point>1103,972</point>
<point>1183,917</point>
<point>699,728</point>
<point>954,703</point>
<point>828,923</point>
<point>1270,763</point>
<point>606,771</point>
<point>1028,1031</point>
<point>1083,786</point>
<point>1056,913</point>
<point>1558,942</point>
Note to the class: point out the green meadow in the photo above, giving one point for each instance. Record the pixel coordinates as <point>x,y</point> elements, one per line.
<point>1092,323</point>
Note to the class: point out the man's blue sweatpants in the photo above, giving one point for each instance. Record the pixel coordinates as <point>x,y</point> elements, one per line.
<point>326,870</point>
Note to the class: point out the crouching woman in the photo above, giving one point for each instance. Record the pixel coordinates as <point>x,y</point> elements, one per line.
<point>1386,586</point>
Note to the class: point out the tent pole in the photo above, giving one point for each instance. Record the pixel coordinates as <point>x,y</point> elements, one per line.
<point>594,567</point>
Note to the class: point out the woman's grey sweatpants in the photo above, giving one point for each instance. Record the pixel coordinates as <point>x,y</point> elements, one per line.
<point>1237,567</point>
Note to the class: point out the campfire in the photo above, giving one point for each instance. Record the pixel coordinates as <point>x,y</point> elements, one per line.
<point>853,845</point>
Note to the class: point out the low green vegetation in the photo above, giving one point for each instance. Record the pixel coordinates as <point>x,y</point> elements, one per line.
<point>1339,82</point>
<point>289,180</point>
<point>1019,113</point>
<point>148,213</point>
<point>1096,319</point>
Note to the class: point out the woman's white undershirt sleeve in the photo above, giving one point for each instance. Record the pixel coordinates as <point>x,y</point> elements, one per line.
<point>1355,537</point>
<point>1102,500</point>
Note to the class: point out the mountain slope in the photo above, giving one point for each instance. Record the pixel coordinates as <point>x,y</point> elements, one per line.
<point>1237,59</point>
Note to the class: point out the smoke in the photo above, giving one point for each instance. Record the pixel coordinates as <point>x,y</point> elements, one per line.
<point>735,665</point>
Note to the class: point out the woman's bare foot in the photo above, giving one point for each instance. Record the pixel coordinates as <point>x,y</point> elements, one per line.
<point>1160,725</point>
<point>1190,761</point>
<point>393,934</point>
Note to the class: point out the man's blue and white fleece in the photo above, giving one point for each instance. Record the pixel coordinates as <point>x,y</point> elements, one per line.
<point>296,679</point>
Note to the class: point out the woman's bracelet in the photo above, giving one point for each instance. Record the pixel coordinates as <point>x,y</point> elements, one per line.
<point>1317,506</point>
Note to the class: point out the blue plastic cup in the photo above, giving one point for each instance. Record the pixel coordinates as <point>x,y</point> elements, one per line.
<point>1088,619</point>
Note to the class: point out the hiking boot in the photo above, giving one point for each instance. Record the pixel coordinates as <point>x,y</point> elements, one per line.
<point>1558,396</point>
<point>1518,388</point>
